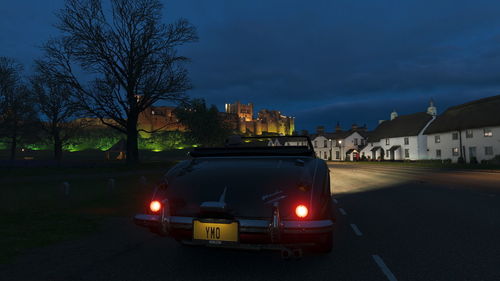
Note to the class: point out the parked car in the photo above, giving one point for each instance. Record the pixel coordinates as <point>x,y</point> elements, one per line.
<point>248,194</point>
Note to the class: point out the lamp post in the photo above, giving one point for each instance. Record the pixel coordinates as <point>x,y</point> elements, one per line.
<point>340,144</point>
<point>331,150</point>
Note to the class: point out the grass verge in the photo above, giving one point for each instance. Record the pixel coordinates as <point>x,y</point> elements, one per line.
<point>36,211</point>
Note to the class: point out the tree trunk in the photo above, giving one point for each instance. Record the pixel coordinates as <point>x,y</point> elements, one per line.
<point>132,145</point>
<point>57,147</point>
<point>13,147</point>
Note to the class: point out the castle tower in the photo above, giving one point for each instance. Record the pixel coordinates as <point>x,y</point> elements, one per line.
<point>394,114</point>
<point>431,110</point>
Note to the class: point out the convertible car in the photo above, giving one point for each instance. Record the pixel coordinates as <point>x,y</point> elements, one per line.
<point>252,193</point>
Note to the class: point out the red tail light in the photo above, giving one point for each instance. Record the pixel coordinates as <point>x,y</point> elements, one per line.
<point>155,206</point>
<point>301,211</point>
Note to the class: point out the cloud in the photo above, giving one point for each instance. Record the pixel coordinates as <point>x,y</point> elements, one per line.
<point>322,60</point>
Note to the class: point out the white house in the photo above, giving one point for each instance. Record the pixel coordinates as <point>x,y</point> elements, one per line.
<point>401,138</point>
<point>469,131</point>
<point>339,145</point>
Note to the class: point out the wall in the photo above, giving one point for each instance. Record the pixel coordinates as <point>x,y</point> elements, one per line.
<point>479,141</point>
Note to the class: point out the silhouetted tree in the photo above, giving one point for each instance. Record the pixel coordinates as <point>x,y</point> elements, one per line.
<point>128,54</point>
<point>205,125</point>
<point>59,111</point>
<point>17,112</point>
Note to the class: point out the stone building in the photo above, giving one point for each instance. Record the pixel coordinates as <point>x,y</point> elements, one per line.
<point>267,121</point>
<point>159,118</point>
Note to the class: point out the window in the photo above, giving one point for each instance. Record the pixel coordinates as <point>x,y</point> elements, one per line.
<point>469,134</point>
<point>355,141</point>
<point>325,156</point>
<point>438,153</point>
<point>407,153</point>
<point>437,139</point>
<point>337,154</point>
<point>488,133</point>
<point>371,144</point>
<point>407,141</point>
<point>315,143</point>
<point>488,150</point>
<point>386,141</point>
<point>454,151</point>
<point>325,143</point>
<point>454,136</point>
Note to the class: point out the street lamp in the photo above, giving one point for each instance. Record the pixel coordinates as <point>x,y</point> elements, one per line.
<point>340,144</point>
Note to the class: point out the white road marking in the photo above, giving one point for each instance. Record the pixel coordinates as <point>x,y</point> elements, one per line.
<point>384,268</point>
<point>335,201</point>
<point>356,230</point>
<point>342,211</point>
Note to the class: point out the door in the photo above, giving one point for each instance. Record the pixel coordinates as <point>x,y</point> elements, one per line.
<point>472,154</point>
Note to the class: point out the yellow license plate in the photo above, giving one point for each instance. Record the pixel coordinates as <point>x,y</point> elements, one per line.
<point>215,231</point>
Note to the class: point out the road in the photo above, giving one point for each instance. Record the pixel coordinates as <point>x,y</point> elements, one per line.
<point>394,223</point>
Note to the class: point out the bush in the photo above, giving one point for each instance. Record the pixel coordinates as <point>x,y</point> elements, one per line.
<point>473,160</point>
<point>447,161</point>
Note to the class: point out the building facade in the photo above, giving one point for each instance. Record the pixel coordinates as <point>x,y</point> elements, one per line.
<point>401,138</point>
<point>339,145</point>
<point>267,121</point>
<point>467,133</point>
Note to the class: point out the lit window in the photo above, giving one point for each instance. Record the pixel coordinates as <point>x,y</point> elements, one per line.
<point>469,134</point>
<point>454,151</point>
<point>488,133</point>
<point>407,153</point>
<point>454,136</point>
<point>407,141</point>
<point>386,141</point>
<point>438,153</point>
<point>488,150</point>
<point>437,139</point>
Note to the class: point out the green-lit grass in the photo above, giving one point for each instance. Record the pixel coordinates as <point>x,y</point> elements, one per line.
<point>37,212</point>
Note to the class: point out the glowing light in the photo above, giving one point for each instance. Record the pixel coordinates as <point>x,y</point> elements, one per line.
<point>155,206</point>
<point>301,211</point>
<point>156,150</point>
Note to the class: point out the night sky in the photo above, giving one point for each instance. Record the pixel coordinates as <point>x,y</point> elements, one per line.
<point>351,61</point>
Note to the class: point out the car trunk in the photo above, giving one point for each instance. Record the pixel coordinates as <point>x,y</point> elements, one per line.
<point>251,185</point>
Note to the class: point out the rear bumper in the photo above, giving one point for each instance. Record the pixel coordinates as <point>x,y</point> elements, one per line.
<point>250,231</point>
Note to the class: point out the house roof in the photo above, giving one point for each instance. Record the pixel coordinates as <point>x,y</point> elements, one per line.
<point>338,135</point>
<point>401,126</point>
<point>475,114</point>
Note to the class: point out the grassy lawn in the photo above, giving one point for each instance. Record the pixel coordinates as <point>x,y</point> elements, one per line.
<point>35,211</point>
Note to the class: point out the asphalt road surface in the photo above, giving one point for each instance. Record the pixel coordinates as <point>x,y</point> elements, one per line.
<point>394,223</point>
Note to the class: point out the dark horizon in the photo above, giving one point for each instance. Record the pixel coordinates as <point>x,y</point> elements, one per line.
<point>320,62</point>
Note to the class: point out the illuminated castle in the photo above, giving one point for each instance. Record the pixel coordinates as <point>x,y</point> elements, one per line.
<point>268,121</point>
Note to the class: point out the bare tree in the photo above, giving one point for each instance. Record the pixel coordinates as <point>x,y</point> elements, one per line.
<point>129,55</point>
<point>59,111</point>
<point>17,113</point>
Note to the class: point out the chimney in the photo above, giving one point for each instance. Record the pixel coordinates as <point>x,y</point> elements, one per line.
<point>320,130</point>
<point>338,128</point>
<point>394,114</point>
<point>354,127</point>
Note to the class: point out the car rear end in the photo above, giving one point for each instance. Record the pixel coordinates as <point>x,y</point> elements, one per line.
<point>251,202</point>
